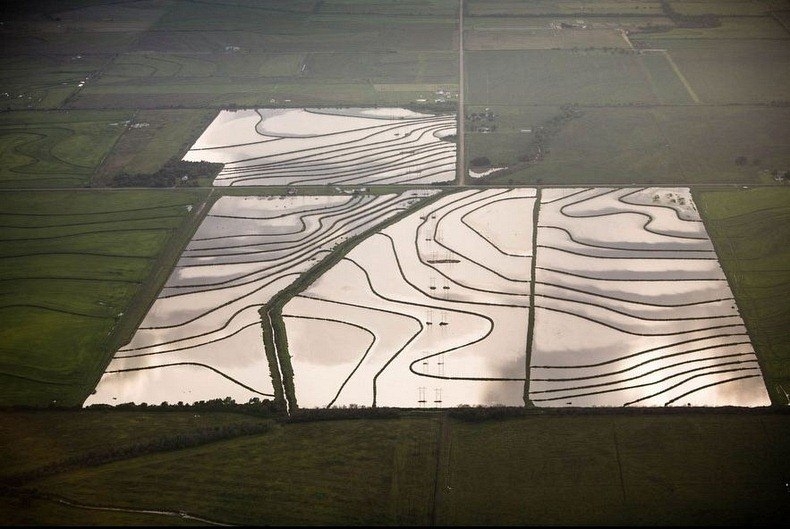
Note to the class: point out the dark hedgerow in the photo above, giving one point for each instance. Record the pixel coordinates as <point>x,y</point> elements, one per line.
<point>175,173</point>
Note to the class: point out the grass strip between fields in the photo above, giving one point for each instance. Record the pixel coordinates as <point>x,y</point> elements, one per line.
<point>531,315</point>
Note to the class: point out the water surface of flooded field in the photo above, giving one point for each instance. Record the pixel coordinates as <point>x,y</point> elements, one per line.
<point>318,146</point>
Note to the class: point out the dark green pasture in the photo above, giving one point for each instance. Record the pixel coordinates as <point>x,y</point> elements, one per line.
<point>670,145</point>
<point>561,467</point>
<point>750,230</point>
<point>77,271</point>
<point>56,148</point>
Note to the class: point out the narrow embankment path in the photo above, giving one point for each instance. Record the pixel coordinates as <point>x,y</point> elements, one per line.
<point>461,141</point>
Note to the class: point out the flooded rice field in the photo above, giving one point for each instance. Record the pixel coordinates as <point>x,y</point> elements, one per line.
<point>437,305</point>
<point>201,338</point>
<point>316,146</point>
<point>632,307</point>
<point>629,304</point>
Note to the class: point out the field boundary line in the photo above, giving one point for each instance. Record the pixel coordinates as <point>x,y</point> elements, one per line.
<point>150,287</point>
<point>461,145</point>
<point>682,78</point>
<point>531,314</point>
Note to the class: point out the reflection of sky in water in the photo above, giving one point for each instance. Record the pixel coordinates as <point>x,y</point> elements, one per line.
<point>439,298</point>
<point>676,341</point>
<point>317,146</point>
<point>414,323</point>
<point>215,322</point>
<point>653,324</point>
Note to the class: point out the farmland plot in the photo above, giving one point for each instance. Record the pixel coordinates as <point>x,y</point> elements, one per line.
<point>329,146</point>
<point>201,339</point>
<point>430,311</point>
<point>632,307</point>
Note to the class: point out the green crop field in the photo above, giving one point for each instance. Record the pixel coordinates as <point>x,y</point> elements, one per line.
<point>556,77</point>
<point>750,231</point>
<point>541,468</point>
<point>727,7</point>
<point>617,470</point>
<point>561,7</point>
<point>71,263</point>
<point>55,149</point>
<point>637,145</point>
<point>354,472</point>
<point>36,440</point>
<point>154,137</point>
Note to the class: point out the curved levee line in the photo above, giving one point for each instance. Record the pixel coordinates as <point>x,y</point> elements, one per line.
<point>631,279</point>
<point>339,162</point>
<point>442,217</point>
<point>645,351</point>
<point>636,333</point>
<point>401,314</point>
<point>378,126</point>
<point>343,207</point>
<point>655,359</point>
<point>614,298</point>
<point>438,271</point>
<point>560,199</point>
<point>622,199</point>
<point>197,364</point>
<point>168,351</point>
<point>275,279</point>
<point>460,311</point>
<point>312,152</point>
<point>656,370</point>
<point>355,175</point>
<point>431,296</point>
<point>667,403</point>
<point>84,233</point>
<point>411,366</point>
<point>364,355</point>
<point>341,222</point>
<point>491,243</point>
<point>306,252</point>
<point>648,384</point>
<point>629,315</point>
<point>645,226</point>
<point>62,311</point>
<point>622,257</point>
<point>618,248</point>
<point>323,231</point>
<point>698,388</point>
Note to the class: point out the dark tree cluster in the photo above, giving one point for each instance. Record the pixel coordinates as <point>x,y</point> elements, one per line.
<point>175,173</point>
<point>255,406</point>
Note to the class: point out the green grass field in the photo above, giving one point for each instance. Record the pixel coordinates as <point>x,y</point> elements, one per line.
<point>642,145</point>
<point>750,231</point>
<point>617,470</point>
<point>544,468</point>
<point>355,472</point>
<point>71,264</point>
<point>561,7</point>
<point>555,77</point>
<point>158,136</point>
<point>57,148</point>
<point>37,439</point>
